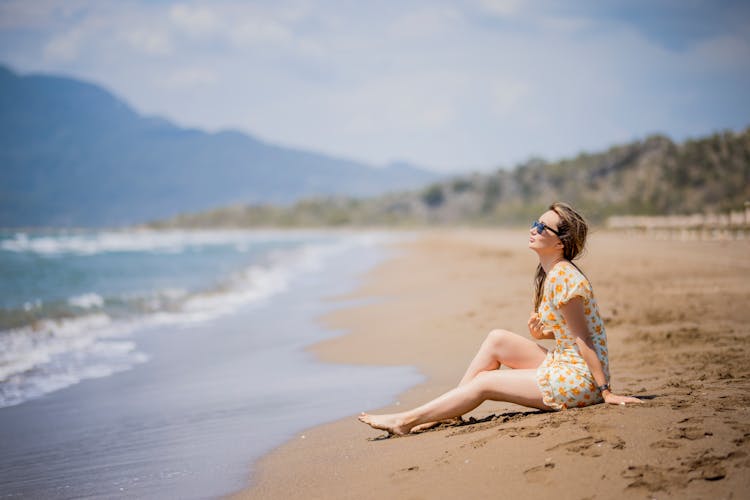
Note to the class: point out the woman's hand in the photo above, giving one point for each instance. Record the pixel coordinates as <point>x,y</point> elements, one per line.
<point>536,328</point>
<point>615,399</point>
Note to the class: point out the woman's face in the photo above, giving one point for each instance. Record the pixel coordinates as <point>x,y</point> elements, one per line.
<point>547,241</point>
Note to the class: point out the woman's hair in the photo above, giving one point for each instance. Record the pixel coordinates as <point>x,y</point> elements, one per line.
<point>573,229</point>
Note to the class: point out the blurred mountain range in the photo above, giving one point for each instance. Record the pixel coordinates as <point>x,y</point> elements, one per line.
<point>72,154</point>
<point>653,176</point>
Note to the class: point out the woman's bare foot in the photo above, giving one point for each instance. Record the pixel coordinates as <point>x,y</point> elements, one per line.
<point>389,422</point>
<point>430,425</point>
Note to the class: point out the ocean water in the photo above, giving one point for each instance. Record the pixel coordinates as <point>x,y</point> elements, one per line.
<point>137,363</point>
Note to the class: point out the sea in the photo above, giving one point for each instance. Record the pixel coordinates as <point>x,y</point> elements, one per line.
<point>163,363</point>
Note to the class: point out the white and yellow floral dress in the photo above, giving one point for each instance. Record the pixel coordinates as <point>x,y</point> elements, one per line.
<point>564,377</point>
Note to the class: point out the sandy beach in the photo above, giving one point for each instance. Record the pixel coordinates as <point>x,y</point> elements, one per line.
<point>677,323</point>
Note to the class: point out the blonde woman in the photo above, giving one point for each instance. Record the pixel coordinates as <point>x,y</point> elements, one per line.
<point>573,374</point>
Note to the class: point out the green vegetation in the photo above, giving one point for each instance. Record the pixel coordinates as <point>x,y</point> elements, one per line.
<point>650,177</point>
<point>433,196</point>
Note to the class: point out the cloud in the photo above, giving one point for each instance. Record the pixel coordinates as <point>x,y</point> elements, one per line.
<point>724,52</point>
<point>501,8</point>
<point>401,103</point>
<point>23,14</point>
<point>506,96</point>
<point>189,77</point>
<point>64,47</point>
<point>426,22</point>
<point>445,84</point>
<point>257,32</point>
<point>153,42</point>
<point>564,24</point>
<point>196,21</point>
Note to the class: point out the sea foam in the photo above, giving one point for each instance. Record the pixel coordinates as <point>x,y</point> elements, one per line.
<point>86,300</point>
<point>51,354</point>
<point>142,240</point>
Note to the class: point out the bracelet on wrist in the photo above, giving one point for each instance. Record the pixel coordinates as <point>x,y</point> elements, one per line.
<point>604,387</point>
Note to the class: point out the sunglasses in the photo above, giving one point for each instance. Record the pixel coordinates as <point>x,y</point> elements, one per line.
<point>541,226</point>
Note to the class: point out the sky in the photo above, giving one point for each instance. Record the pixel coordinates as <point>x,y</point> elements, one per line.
<point>451,86</point>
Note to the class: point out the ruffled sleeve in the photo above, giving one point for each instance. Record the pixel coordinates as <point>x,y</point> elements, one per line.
<point>566,284</point>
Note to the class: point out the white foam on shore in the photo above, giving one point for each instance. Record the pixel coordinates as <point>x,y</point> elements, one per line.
<point>144,240</point>
<point>22,349</point>
<point>51,354</point>
<point>86,300</point>
<point>260,282</point>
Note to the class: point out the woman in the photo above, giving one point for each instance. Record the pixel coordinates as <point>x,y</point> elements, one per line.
<point>575,373</point>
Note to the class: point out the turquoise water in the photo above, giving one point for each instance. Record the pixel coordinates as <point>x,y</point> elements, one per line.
<point>163,364</point>
<point>55,275</point>
<point>70,301</point>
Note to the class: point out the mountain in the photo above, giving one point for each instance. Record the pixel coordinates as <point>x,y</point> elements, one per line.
<point>73,154</point>
<point>653,176</point>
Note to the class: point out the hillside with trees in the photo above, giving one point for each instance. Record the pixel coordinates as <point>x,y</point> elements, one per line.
<point>653,176</point>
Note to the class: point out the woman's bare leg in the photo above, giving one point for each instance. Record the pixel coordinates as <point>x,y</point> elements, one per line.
<point>515,386</point>
<point>500,347</point>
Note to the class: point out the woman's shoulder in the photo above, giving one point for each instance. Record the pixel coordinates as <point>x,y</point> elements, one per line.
<point>566,269</point>
<point>567,281</point>
<point>568,273</point>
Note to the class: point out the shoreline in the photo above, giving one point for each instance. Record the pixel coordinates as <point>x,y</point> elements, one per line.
<point>207,403</point>
<point>416,320</point>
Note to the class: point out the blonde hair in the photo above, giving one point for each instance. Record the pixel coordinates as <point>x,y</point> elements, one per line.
<point>573,229</point>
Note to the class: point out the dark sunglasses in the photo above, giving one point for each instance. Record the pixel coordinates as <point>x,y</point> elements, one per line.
<point>541,226</point>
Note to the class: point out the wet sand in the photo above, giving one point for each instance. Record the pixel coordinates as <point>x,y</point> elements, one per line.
<point>214,396</point>
<point>677,321</point>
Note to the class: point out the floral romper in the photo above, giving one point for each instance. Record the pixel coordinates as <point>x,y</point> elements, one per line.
<point>564,377</point>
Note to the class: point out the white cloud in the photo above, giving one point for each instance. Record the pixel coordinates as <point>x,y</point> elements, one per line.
<point>427,22</point>
<point>188,77</point>
<point>254,31</point>
<point>506,96</point>
<point>24,14</point>
<point>501,8</point>
<point>294,12</point>
<point>401,103</point>
<point>196,21</point>
<point>724,52</point>
<point>564,24</point>
<point>153,42</point>
<point>64,47</point>
<point>443,84</point>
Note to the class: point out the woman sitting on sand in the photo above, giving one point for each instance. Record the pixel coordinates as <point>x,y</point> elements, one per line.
<point>575,373</point>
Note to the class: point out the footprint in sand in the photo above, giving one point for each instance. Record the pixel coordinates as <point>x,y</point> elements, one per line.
<point>690,433</point>
<point>713,467</point>
<point>739,441</point>
<point>680,406</point>
<point>589,446</point>
<point>665,444</point>
<point>691,420</point>
<point>649,478</point>
<point>539,474</point>
<point>478,443</point>
<point>403,474</point>
<point>575,445</point>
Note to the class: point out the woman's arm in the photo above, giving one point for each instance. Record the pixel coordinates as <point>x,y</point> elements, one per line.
<point>575,318</point>
<point>536,328</point>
